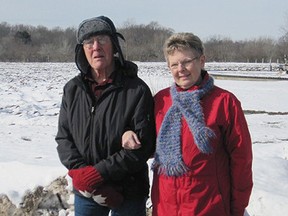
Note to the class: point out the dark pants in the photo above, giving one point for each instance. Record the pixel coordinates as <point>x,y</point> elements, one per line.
<point>88,207</point>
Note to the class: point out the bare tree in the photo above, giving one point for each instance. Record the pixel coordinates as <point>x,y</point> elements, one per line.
<point>144,42</point>
<point>220,49</point>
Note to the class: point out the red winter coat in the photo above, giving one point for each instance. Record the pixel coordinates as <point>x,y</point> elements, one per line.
<point>218,184</point>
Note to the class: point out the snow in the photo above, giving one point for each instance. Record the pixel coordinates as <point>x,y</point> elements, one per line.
<point>30,100</point>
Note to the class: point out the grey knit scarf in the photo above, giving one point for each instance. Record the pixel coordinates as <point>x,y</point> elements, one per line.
<point>168,157</point>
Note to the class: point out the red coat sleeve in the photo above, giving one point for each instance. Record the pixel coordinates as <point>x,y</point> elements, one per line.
<point>239,146</point>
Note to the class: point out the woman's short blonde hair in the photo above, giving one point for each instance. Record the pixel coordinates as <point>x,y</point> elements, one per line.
<point>183,41</point>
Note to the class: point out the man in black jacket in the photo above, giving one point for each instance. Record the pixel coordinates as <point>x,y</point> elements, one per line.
<point>104,102</point>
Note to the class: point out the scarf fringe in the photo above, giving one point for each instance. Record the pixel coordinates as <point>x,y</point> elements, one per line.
<point>170,170</point>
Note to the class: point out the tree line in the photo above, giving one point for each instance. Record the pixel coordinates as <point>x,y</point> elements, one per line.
<point>143,43</point>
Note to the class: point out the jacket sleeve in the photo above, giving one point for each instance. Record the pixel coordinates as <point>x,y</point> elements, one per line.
<point>118,165</point>
<point>67,151</point>
<point>239,146</point>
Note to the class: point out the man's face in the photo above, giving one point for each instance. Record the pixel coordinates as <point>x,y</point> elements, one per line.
<point>99,51</point>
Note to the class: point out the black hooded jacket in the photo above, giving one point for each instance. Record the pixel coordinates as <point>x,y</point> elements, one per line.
<point>90,131</point>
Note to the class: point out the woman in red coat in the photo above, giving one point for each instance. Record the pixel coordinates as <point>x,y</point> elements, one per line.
<point>203,159</point>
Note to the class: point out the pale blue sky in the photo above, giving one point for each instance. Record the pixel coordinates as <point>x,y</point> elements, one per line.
<point>236,19</point>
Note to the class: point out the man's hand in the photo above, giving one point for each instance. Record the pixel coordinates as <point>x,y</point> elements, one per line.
<point>85,179</point>
<point>108,195</point>
<point>130,140</point>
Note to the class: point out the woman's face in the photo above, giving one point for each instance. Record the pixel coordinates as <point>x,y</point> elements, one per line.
<point>185,67</point>
<point>99,52</point>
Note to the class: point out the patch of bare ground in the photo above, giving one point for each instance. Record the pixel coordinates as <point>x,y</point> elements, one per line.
<point>53,200</point>
<point>249,112</point>
<point>48,201</point>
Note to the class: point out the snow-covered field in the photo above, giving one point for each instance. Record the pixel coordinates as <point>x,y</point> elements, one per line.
<point>30,100</point>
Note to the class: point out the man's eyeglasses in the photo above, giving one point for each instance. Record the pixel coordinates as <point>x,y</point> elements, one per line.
<point>185,63</point>
<point>101,40</point>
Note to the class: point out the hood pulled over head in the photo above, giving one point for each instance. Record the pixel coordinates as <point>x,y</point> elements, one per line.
<point>101,25</point>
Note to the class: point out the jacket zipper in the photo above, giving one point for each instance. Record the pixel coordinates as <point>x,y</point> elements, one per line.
<point>93,109</point>
<point>96,101</point>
